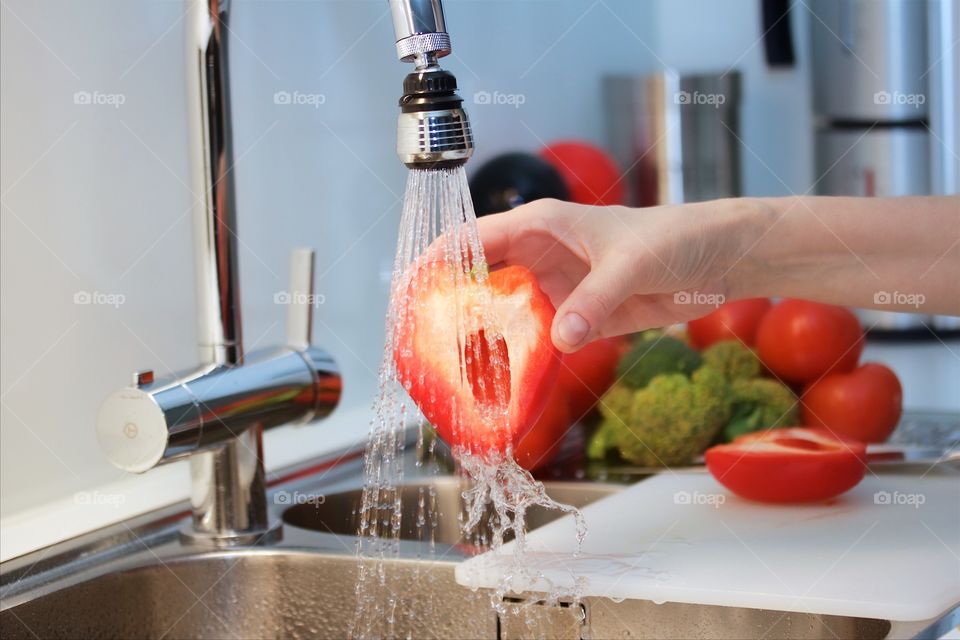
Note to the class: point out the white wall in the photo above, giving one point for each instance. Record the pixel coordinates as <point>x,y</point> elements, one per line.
<point>94,197</point>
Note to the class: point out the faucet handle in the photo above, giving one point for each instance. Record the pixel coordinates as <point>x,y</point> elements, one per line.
<point>302,298</point>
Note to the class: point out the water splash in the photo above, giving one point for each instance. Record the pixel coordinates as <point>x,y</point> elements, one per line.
<point>439,250</point>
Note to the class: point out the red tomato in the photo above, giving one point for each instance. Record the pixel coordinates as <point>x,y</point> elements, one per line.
<point>590,173</point>
<point>538,447</point>
<point>794,464</point>
<point>485,393</point>
<point>800,341</point>
<point>738,319</point>
<point>585,375</point>
<point>864,404</point>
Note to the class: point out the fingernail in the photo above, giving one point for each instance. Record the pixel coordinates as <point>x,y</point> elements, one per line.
<point>573,329</point>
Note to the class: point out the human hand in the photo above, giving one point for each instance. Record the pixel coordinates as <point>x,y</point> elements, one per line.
<point>616,270</point>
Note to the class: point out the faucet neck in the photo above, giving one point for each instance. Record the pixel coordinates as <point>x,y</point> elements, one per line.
<point>228,494</point>
<point>220,335</point>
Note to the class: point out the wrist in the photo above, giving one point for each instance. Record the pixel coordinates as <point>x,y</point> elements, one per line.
<point>750,272</point>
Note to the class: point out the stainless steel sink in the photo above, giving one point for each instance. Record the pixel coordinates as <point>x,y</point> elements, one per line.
<point>138,579</point>
<point>251,593</point>
<point>286,593</point>
<point>261,593</point>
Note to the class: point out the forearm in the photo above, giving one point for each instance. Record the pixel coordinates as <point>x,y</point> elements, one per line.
<point>886,253</point>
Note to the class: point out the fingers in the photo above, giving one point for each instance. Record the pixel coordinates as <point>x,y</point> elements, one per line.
<point>502,233</point>
<point>496,233</point>
<point>640,312</point>
<point>582,315</point>
<point>533,235</point>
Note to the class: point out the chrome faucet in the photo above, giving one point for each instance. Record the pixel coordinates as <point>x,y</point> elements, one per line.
<point>216,414</point>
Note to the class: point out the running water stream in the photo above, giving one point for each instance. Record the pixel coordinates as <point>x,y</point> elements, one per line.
<point>439,246</point>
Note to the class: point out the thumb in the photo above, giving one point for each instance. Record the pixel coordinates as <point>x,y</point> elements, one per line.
<point>589,305</point>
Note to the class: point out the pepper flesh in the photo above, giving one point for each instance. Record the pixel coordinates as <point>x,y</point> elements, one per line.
<point>475,354</point>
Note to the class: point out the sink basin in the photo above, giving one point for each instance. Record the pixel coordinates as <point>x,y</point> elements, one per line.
<point>112,585</point>
<point>338,512</point>
<point>251,593</point>
<point>263,593</point>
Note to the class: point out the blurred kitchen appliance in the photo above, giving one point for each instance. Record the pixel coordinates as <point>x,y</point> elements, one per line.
<point>676,135</point>
<point>944,84</point>
<point>512,179</point>
<point>943,76</point>
<point>871,76</point>
<point>870,97</point>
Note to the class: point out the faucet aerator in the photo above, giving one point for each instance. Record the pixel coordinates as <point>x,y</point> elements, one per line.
<point>433,130</point>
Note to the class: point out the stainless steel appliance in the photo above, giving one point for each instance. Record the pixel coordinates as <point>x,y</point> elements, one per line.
<point>869,60</point>
<point>676,135</point>
<point>871,101</point>
<point>885,160</point>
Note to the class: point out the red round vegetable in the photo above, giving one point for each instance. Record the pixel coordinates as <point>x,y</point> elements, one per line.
<point>865,403</point>
<point>732,320</point>
<point>590,173</point>
<point>800,341</point>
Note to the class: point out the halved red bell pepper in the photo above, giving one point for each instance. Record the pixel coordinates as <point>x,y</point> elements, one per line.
<point>795,464</point>
<point>477,358</point>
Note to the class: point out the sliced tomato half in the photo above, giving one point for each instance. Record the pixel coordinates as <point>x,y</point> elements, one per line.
<point>795,464</point>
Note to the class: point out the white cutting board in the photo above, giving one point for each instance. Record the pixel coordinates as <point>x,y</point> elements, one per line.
<point>888,549</point>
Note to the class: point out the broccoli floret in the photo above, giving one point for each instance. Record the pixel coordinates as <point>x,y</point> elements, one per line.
<point>603,439</point>
<point>616,402</point>
<point>671,420</point>
<point>732,359</point>
<point>759,403</point>
<point>649,334</point>
<point>655,355</point>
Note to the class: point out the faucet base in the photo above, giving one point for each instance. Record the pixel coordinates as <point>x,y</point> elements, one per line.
<point>219,540</point>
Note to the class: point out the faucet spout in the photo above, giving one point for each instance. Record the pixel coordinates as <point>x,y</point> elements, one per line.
<point>214,211</point>
<point>433,129</point>
<point>421,31</point>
